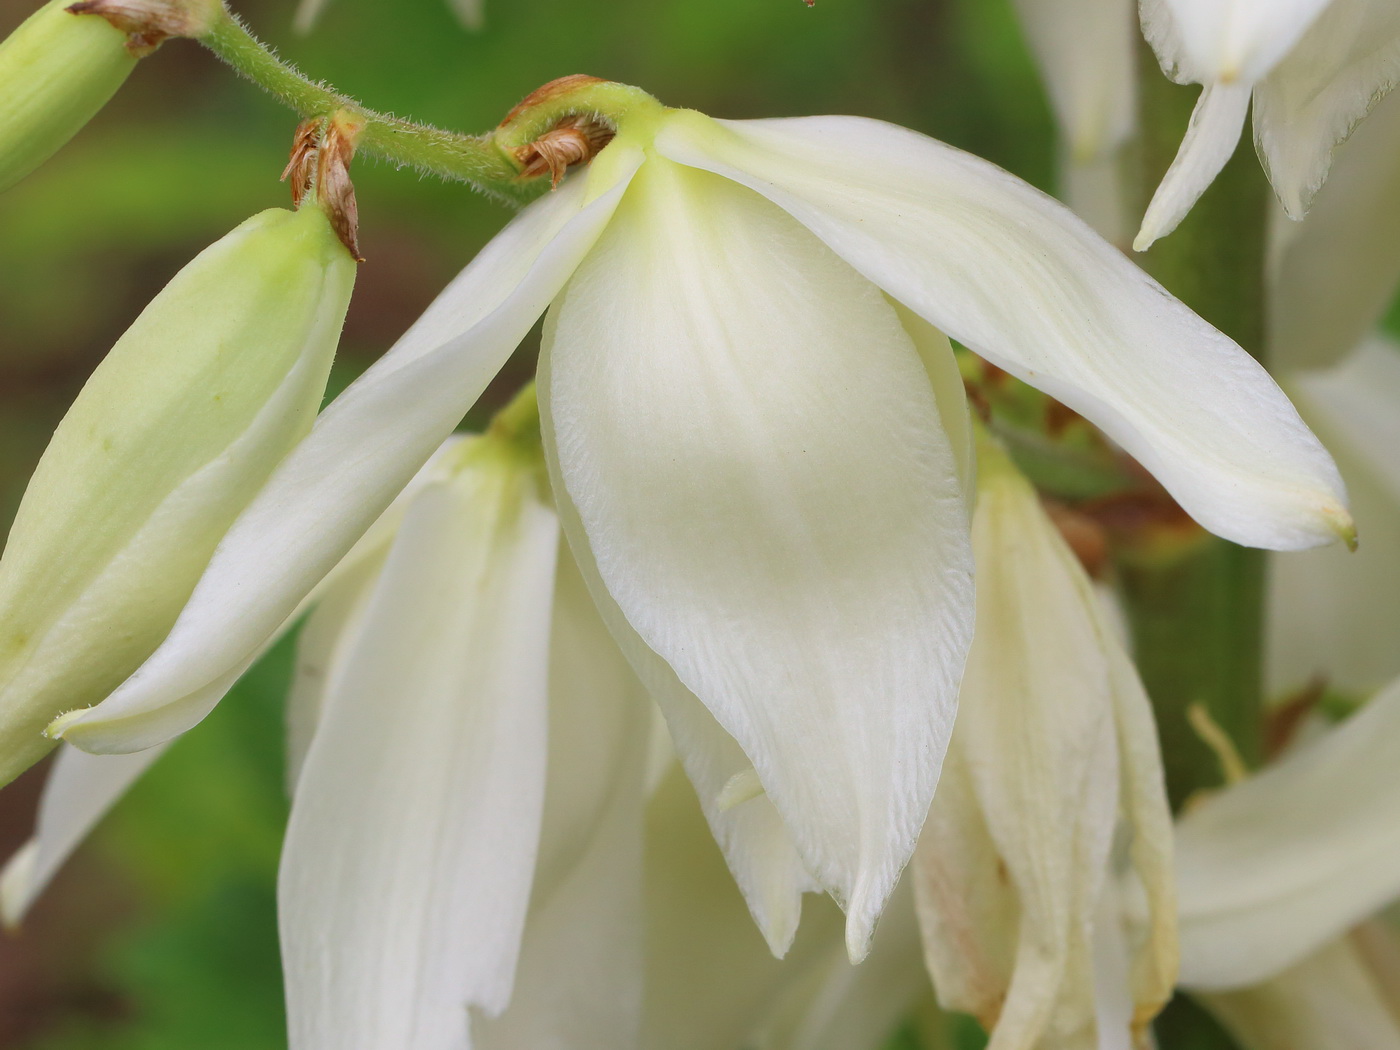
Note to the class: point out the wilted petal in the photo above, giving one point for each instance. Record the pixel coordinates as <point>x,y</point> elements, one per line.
<point>413,835</point>
<point>1332,276</point>
<point>1272,868</point>
<point>754,451</point>
<point>364,448</point>
<point>1016,277</point>
<point>1328,1001</point>
<point>1210,141</point>
<point>81,788</point>
<point>1311,101</point>
<point>1225,40</point>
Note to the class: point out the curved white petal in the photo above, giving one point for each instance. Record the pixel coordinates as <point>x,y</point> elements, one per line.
<point>412,841</point>
<point>580,981</point>
<point>1333,613</point>
<point>1272,868</point>
<point>1328,1001</point>
<point>1210,140</point>
<point>757,847</point>
<point>1333,275</point>
<point>1086,51</point>
<point>1226,40</point>
<point>81,788</point>
<point>364,449</point>
<point>1016,277</point>
<point>308,11</point>
<point>754,451</point>
<point>1342,66</point>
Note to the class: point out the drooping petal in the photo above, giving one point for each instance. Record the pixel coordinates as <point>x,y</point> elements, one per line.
<point>1310,102</point>
<point>757,847</point>
<point>753,448</point>
<point>1332,276</point>
<point>364,448</point>
<point>81,788</point>
<point>1226,40</point>
<point>1210,141</point>
<point>413,835</point>
<point>1332,613</point>
<point>580,980</point>
<point>1272,868</point>
<point>1016,277</point>
<point>1327,1001</point>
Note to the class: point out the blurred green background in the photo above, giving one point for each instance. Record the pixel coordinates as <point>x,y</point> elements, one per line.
<point>161,934</point>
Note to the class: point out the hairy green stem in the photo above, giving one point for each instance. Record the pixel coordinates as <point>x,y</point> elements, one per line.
<point>477,160</point>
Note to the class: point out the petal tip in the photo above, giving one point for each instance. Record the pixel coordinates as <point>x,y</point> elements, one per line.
<point>60,726</point>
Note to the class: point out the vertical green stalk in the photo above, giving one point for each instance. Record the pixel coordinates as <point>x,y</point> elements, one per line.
<point>1198,619</point>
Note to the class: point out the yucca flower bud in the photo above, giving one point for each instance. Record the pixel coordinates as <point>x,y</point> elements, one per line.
<point>56,71</point>
<point>176,430</point>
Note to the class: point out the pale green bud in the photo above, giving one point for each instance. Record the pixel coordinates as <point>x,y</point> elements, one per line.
<point>176,430</point>
<point>56,71</point>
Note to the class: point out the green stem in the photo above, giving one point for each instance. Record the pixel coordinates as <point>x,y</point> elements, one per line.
<point>477,160</point>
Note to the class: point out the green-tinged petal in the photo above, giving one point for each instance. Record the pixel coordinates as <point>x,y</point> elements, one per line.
<point>412,841</point>
<point>754,450</point>
<point>1333,613</point>
<point>1017,278</point>
<point>1272,868</point>
<point>1310,102</point>
<point>80,789</point>
<point>579,985</point>
<point>1326,1001</point>
<point>363,450</point>
<point>1226,40</point>
<point>170,438</point>
<point>1333,275</point>
<point>56,71</point>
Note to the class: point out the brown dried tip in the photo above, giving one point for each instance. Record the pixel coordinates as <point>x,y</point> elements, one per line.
<point>320,164</point>
<point>146,23</point>
<point>574,140</point>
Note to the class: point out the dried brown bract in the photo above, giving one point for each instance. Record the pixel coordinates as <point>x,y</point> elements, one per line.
<point>320,163</point>
<point>574,140</point>
<point>149,23</point>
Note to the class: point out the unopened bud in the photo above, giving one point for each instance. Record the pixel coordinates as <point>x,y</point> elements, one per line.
<point>56,71</point>
<point>171,437</point>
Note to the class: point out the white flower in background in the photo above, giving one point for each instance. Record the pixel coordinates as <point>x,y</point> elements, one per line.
<point>1274,871</point>
<point>1051,795</point>
<point>471,13</point>
<point>760,455</point>
<point>1313,68</point>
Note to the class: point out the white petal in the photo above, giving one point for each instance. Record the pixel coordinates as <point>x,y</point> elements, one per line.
<point>753,447</point>
<point>364,449</point>
<point>308,11</point>
<point>1097,190</point>
<point>81,788</point>
<point>1332,613</point>
<point>579,985</point>
<point>757,847</point>
<point>413,834</point>
<point>1086,50</point>
<point>1226,40</point>
<point>1311,101</point>
<point>1332,276</point>
<point>1272,868</point>
<point>1015,277</point>
<point>1328,1001</point>
<point>1210,140</point>
<point>471,13</point>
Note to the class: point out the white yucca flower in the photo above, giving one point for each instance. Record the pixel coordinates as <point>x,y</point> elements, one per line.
<point>760,455</point>
<point>471,13</point>
<point>1313,68</point>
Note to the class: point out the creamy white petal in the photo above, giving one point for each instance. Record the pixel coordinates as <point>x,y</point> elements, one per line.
<point>1210,141</point>
<point>1097,190</point>
<point>753,448</point>
<point>1342,66</point>
<point>1328,1001</point>
<point>412,840</point>
<point>1226,40</point>
<point>1272,868</point>
<point>580,981</point>
<point>1332,276</point>
<point>1086,51</point>
<point>308,11</point>
<point>757,847</point>
<point>80,789</point>
<point>471,13</point>
<point>1333,613</point>
<point>949,392</point>
<point>1016,277</point>
<point>364,448</point>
